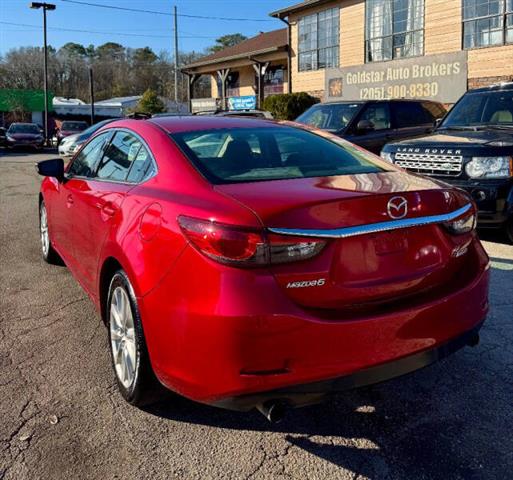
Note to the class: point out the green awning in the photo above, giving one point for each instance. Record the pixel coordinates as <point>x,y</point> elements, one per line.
<point>25,100</point>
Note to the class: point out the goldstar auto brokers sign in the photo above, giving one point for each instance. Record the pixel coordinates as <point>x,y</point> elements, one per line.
<point>435,77</point>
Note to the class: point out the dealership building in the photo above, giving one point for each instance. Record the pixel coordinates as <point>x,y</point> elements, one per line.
<point>369,49</point>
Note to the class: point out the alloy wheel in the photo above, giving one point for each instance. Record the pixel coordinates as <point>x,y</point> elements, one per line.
<point>45,238</point>
<point>122,337</point>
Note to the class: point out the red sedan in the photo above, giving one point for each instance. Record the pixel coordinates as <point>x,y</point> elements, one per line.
<point>246,263</point>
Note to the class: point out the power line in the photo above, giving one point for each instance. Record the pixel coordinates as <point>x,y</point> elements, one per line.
<point>156,12</point>
<point>100,32</point>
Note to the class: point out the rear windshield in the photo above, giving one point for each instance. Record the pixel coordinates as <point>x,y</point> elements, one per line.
<point>270,153</point>
<point>74,125</point>
<point>331,117</point>
<point>24,128</point>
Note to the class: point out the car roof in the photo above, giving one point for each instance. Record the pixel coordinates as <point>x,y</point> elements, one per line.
<point>202,122</point>
<point>24,123</point>
<point>493,88</point>
<point>352,102</point>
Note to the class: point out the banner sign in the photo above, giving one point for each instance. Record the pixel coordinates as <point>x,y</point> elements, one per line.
<point>247,102</point>
<point>432,77</point>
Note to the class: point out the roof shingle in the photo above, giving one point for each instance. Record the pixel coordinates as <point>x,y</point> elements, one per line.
<point>254,45</point>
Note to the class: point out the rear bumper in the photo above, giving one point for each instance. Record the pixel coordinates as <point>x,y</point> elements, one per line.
<point>231,333</point>
<point>307,394</point>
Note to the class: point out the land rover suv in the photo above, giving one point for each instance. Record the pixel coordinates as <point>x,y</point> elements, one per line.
<point>371,124</point>
<point>472,149</point>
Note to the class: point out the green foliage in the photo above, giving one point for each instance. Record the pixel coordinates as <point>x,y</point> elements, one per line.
<point>289,106</point>
<point>150,103</point>
<point>73,49</point>
<point>144,55</point>
<point>227,41</point>
<point>110,51</point>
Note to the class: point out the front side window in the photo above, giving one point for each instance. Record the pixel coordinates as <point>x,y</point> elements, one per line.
<point>319,38</point>
<point>83,165</point>
<point>487,23</point>
<point>271,153</point>
<point>393,29</point>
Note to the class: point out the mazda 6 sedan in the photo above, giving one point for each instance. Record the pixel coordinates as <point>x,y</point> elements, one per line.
<point>247,263</point>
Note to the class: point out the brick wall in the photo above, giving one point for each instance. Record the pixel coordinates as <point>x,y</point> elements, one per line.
<point>486,81</point>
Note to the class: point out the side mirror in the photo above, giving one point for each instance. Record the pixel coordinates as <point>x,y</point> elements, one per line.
<point>438,121</point>
<point>51,168</point>
<point>365,126</point>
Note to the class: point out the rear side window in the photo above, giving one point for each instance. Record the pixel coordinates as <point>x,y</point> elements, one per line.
<point>254,154</point>
<point>142,166</point>
<point>410,115</point>
<point>378,114</point>
<point>118,157</point>
<point>83,165</point>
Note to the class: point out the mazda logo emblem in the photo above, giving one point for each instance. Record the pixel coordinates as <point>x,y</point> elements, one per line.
<point>397,207</point>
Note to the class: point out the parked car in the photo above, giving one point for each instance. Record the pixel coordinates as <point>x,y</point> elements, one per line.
<point>170,114</point>
<point>245,113</point>
<point>237,113</point>
<point>3,140</point>
<point>374,123</point>
<point>471,149</point>
<point>267,272</point>
<point>24,135</point>
<point>72,143</point>
<point>69,128</point>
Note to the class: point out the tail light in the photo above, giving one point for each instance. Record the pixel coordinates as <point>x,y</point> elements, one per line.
<point>241,246</point>
<point>462,225</point>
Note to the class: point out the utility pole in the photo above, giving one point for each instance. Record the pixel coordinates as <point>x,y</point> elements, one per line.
<point>176,56</point>
<point>45,7</point>
<point>91,93</point>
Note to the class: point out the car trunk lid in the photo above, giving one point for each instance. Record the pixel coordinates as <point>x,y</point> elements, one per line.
<point>372,267</point>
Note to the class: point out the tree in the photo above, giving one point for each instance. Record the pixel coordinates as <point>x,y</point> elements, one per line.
<point>150,103</point>
<point>227,41</point>
<point>111,51</point>
<point>73,50</point>
<point>144,55</point>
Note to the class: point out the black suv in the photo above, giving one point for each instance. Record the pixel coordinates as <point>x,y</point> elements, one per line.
<point>471,149</point>
<point>373,124</point>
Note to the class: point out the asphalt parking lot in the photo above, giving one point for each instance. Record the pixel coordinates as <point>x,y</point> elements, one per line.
<point>61,415</point>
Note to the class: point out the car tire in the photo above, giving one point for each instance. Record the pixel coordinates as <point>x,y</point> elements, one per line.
<point>47,251</point>
<point>130,360</point>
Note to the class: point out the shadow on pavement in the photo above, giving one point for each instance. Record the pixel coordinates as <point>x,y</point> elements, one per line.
<point>442,422</point>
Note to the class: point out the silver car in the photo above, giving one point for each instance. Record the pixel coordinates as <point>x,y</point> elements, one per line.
<point>69,145</point>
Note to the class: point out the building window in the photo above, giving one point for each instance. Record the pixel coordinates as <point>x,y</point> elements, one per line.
<point>487,23</point>
<point>273,80</point>
<point>319,37</point>
<point>393,29</point>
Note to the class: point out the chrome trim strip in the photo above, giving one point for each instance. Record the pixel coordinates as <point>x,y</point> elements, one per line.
<point>374,227</point>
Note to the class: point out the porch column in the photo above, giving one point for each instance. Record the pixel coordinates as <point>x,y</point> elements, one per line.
<point>260,69</point>
<point>191,80</point>
<point>223,75</point>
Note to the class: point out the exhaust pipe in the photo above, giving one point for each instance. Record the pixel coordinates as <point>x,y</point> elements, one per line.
<point>273,410</point>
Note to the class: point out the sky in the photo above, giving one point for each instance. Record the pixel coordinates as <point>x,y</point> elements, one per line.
<point>73,22</point>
